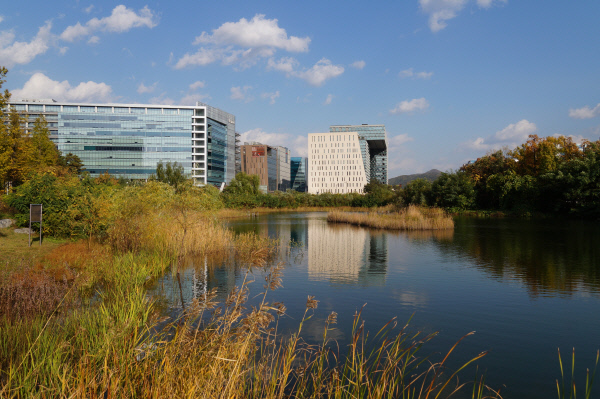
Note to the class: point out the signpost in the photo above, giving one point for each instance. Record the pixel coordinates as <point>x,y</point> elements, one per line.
<point>35,216</point>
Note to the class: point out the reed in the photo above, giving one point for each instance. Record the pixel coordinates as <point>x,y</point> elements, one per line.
<point>410,218</point>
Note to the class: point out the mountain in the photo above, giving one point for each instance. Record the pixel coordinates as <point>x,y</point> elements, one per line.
<point>405,179</point>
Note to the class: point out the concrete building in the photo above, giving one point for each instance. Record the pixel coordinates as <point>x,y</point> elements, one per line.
<point>335,163</point>
<point>299,173</point>
<point>261,160</point>
<point>130,139</point>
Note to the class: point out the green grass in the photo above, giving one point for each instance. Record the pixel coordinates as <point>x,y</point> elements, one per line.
<point>15,247</point>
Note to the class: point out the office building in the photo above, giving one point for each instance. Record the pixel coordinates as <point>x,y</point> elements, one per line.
<point>298,173</point>
<point>283,169</point>
<point>261,160</point>
<point>129,140</point>
<point>373,148</point>
<point>335,163</point>
<point>221,145</point>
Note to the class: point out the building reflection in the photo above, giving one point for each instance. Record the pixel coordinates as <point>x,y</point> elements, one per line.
<point>343,254</point>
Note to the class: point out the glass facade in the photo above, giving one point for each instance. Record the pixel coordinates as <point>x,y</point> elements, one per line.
<point>225,145</point>
<point>272,168</point>
<point>299,173</point>
<point>217,154</point>
<point>373,146</point>
<point>129,140</point>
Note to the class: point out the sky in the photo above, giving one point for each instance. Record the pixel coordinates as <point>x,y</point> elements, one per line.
<point>450,79</point>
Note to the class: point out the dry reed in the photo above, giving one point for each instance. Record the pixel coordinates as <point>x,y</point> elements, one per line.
<point>411,218</point>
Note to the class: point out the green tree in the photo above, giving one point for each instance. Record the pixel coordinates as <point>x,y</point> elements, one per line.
<point>378,194</point>
<point>417,192</point>
<point>242,192</point>
<point>171,173</point>
<point>453,190</point>
<point>44,150</point>
<point>72,163</point>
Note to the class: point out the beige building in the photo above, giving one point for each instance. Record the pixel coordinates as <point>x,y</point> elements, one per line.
<point>335,163</point>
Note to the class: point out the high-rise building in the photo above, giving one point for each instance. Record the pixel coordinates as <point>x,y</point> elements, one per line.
<point>261,160</point>
<point>373,147</point>
<point>220,146</point>
<point>335,163</point>
<point>299,173</point>
<point>283,169</point>
<point>130,139</point>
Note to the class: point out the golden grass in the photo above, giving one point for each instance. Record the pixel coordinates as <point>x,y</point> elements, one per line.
<point>227,213</point>
<point>411,218</point>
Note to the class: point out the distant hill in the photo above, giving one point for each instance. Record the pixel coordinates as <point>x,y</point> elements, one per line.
<point>405,179</point>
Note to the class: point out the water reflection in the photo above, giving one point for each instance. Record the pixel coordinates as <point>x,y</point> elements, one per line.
<point>548,256</point>
<point>346,254</point>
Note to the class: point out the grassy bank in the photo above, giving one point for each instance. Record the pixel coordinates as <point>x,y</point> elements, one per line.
<point>410,218</point>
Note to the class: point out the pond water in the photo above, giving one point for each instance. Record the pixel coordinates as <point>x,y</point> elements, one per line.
<point>527,287</point>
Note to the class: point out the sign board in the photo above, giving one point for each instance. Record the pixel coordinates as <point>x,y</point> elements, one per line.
<point>35,216</point>
<point>35,212</point>
<point>258,151</point>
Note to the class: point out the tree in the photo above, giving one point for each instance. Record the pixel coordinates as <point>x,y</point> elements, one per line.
<point>453,190</point>
<point>243,191</point>
<point>378,194</point>
<point>72,162</point>
<point>45,152</point>
<point>417,192</point>
<point>172,174</point>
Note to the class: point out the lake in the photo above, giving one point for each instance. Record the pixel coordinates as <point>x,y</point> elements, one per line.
<point>526,287</point>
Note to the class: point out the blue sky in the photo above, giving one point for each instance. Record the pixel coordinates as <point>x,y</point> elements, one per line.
<point>450,79</point>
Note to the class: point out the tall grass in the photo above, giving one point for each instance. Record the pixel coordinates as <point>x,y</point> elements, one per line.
<point>410,218</point>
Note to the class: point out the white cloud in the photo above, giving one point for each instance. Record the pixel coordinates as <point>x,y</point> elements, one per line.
<point>259,135</point>
<point>398,140</point>
<point>244,42</point>
<point>322,71</point>
<point>329,99</point>
<point>511,136</point>
<point>191,99</point>
<point>197,85</point>
<point>405,107</point>
<point>256,33</point>
<point>146,89</point>
<point>13,52</point>
<point>285,64</point>
<point>41,86</point>
<point>441,11</point>
<point>241,93</point>
<point>88,9</point>
<point>410,73</point>
<point>270,96</point>
<point>94,40</point>
<point>359,64</point>
<point>585,112</point>
<point>1,18</point>
<point>122,19</point>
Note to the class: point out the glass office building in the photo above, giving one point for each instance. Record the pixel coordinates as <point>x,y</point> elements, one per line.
<point>373,146</point>
<point>299,169</point>
<point>221,145</point>
<point>129,140</point>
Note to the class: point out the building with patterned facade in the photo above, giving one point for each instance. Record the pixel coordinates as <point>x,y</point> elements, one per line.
<point>373,148</point>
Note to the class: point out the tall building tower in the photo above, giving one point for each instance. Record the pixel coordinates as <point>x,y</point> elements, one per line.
<point>299,173</point>
<point>373,147</point>
<point>261,160</point>
<point>221,143</point>
<point>283,169</point>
